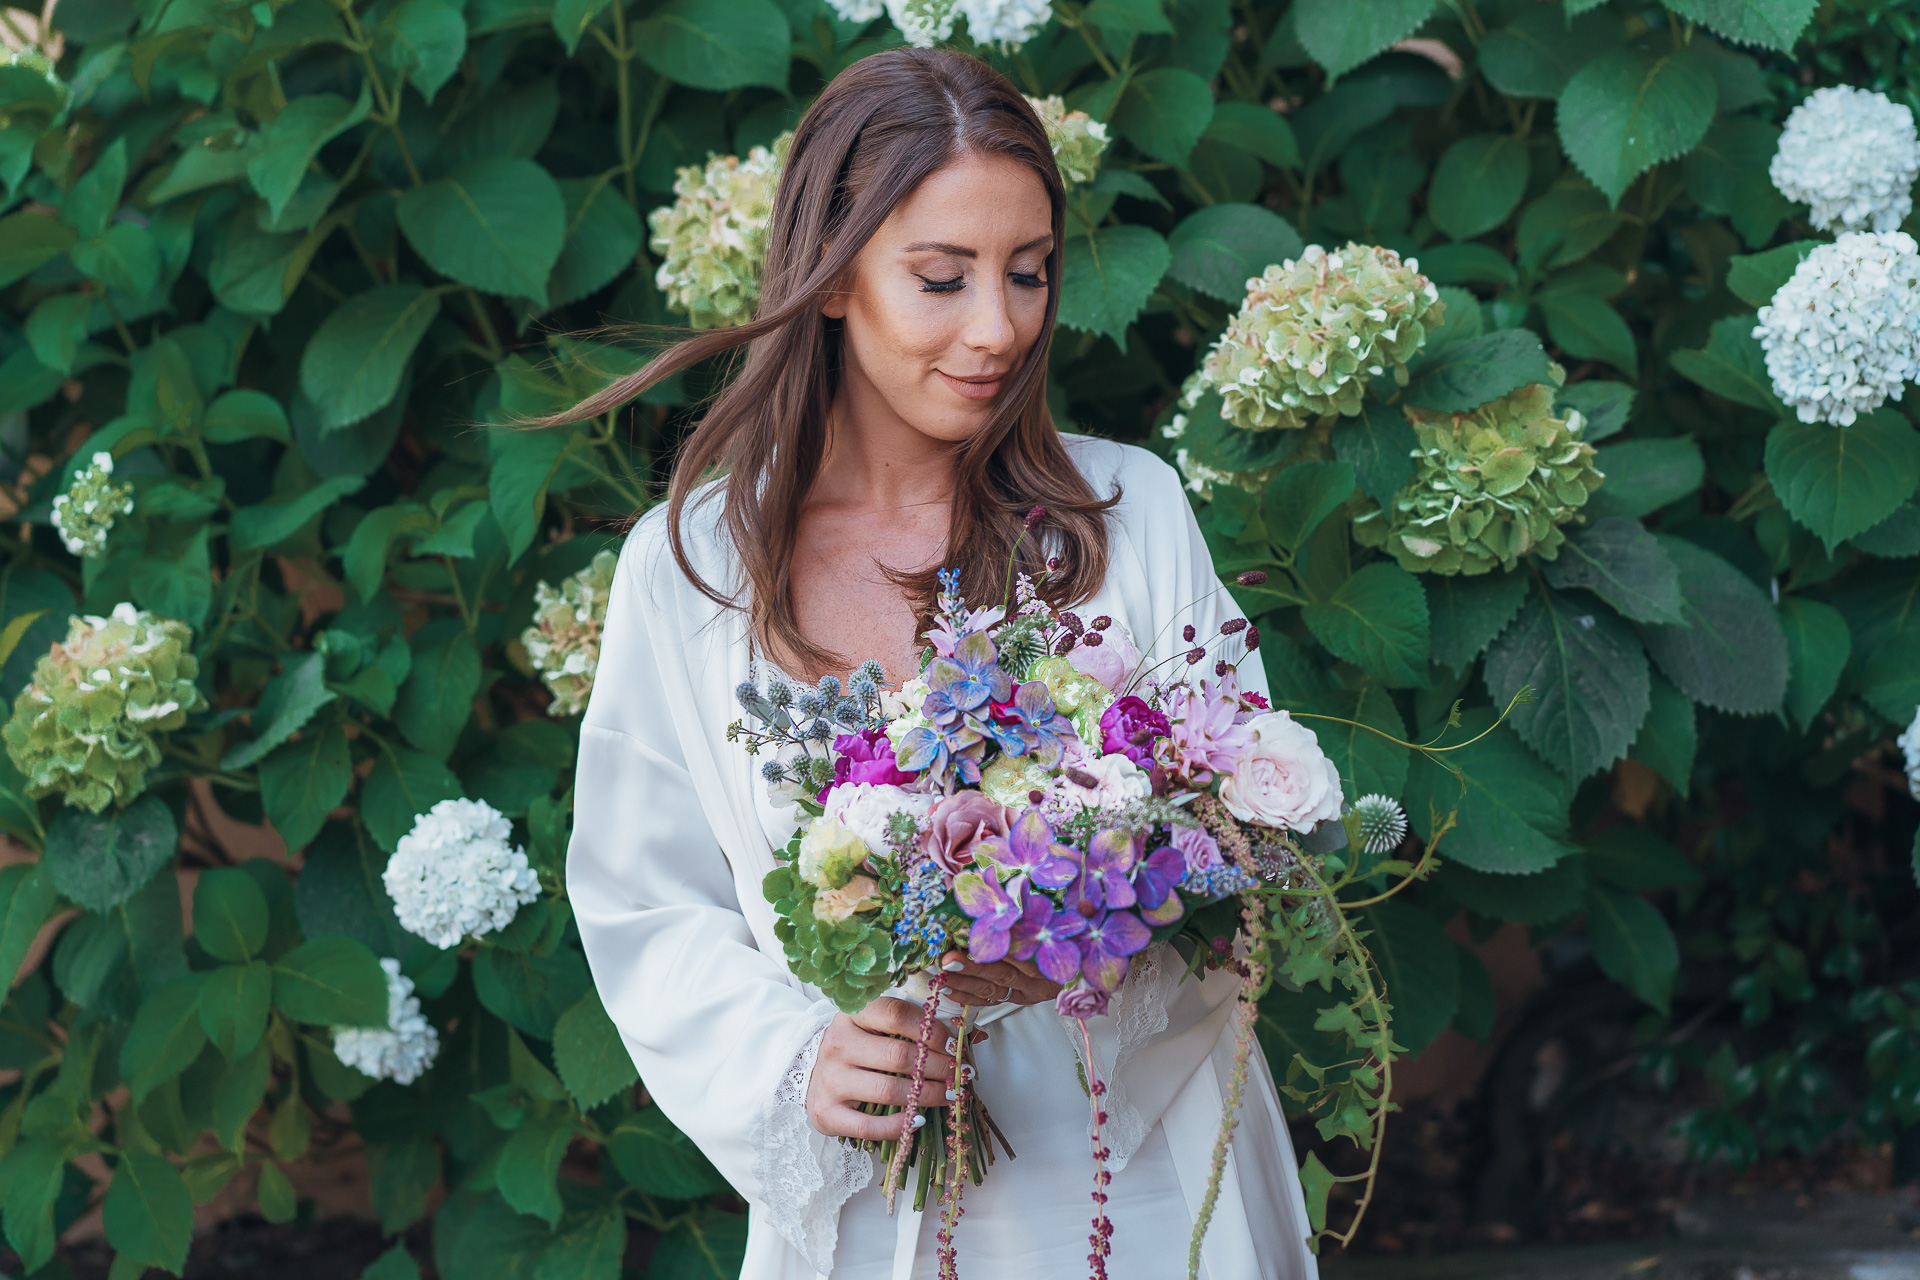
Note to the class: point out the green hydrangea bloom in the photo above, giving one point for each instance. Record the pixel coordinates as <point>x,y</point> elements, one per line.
<point>563,644</point>
<point>713,237</point>
<point>1488,486</point>
<point>87,723</point>
<point>85,513</point>
<point>1077,139</point>
<point>1077,696</point>
<point>1199,476</point>
<point>1315,330</point>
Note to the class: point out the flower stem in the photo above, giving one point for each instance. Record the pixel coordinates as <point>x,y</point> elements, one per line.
<point>898,1166</point>
<point>1101,1237</point>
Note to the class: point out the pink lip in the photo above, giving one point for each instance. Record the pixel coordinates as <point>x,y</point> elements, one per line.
<point>981,388</point>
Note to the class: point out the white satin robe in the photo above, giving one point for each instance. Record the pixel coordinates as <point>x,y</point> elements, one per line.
<point>673,833</point>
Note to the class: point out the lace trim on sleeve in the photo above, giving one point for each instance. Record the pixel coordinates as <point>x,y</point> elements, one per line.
<point>805,1177</point>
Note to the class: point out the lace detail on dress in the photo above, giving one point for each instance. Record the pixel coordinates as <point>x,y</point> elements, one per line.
<point>1138,1012</point>
<point>805,1176</point>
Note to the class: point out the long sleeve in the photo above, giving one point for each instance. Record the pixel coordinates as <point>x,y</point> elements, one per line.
<point>715,1025</point>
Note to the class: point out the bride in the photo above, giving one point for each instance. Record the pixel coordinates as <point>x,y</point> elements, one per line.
<point>890,418</point>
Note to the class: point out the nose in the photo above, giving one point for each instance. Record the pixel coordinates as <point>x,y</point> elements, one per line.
<point>989,328</point>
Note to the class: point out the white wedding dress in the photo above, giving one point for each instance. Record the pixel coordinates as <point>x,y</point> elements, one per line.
<point>673,833</point>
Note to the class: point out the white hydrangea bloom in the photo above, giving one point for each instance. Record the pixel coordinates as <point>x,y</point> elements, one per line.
<point>563,644</point>
<point>1909,743</point>
<point>402,1052</point>
<point>1008,23</point>
<point>1843,335</point>
<point>1851,155</point>
<point>1077,139</point>
<point>85,513</point>
<point>712,240</point>
<point>924,23</point>
<point>455,874</point>
<point>857,10</point>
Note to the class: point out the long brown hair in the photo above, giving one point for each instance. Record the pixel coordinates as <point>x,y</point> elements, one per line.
<point>881,127</point>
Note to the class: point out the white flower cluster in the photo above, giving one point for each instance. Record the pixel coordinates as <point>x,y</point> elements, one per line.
<point>563,644</point>
<point>456,874</point>
<point>1077,139</point>
<point>925,23</point>
<point>713,238</point>
<point>1843,334</point>
<point>1909,743</point>
<point>85,513</point>
<point>1851,155</point>
<point>402,1052</point>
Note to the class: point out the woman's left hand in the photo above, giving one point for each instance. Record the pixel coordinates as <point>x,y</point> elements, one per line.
<point>1002,982</point>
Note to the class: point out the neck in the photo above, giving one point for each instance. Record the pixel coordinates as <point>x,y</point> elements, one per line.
<point>875,460</point>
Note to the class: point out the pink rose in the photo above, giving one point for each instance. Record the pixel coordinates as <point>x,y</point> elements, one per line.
<point>1201,850</point>
<point>1284,779</point>
<point>1108,656</point>
<point>1081,1000</point>
<point>956,824</point>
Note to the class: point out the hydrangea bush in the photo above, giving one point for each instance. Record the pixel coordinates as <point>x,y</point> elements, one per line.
<point>301,270</point>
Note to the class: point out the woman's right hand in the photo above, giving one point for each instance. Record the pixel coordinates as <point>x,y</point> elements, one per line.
<point>868,1057</point>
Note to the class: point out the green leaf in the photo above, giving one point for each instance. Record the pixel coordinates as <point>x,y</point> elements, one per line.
<point>353,363</point>
<point>1377,620</point>
<point>237,1095</point>
<point>365,557</point>
<point>1418,967</point>
<point>245,415</point>
<point>571,18</point>
<point>1163,112</point>
<point>1631,109</point>
<point>1316,1183</point>
<point>1513,813</point>
<point>1536,54</point>
<point>275,1194</point>
<point>28,241</point>
<point>1563,226</point>
<point>1732,656</point>
<point>1368,763</point>
<point>405,1172</point>
<point>95,196</point>
<point>235,1000</point>
<point>530,991</point>
<point>496,224</point>
<point>1895,537</point>
<point>1839,481</point>
<point>1301,496</point>
<point>438,696</point>
<point>589,1249</point>
<point>1771,24</point>
<point>1467,613</point>
<point>1256,129</point>
<point>656,1157</point>
<point>716,44</point>
<point>1727,175</point>
<point>1109,277</point>
<point>1379,445</point>
<point>286,705</point>
<point>1478,184</point>
<point>706,1246</point>
<point>1605,406</point>
<point>524,464</point>
<point>302,782</point>
<point>1465,375</point>
<point>148,1214</point>
<point>1643,476</point>
<point>1588,328</point>
<point>1623,564</point>
<point>1217,249</point>
<point>331,982</point>
<point>229,915</point>
<point>1818,646</point>
<point>268,523</point>
<point>1635,859</point>
<point>529,1168</point>
<point>1540,898</point>
<point>1755,277</point>
<point>1340,35</point>
<point>1145,17</point>
<point>57,328</point>
<point>1670,736</point>
<point>291,141</point>
<point>100,860</point>
<point>603,235</point>
<point>27,899</point>
<point>1633,944</point>
<point>1588,676</point>
<point>425,39</point>
<point>165,1038</point>
<point>589,1054</point>
<point>30,1180</point>
<point>124,257</point>
<point>402,785</point>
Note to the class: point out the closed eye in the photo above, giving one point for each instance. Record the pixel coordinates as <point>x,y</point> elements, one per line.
<point>929,285</point>
<point>1028,280</point>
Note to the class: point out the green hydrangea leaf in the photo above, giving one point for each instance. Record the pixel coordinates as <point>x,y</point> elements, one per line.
<point>331,982</point>
<point>1377,620</point>
<point>1466,375</point>
<point>1631,109</point>
<point>1588,675</point>
<point>1732,654</point>
<point>1340,36</point>
<point>1512,806</point>
<point>1818,646</point>
<point>1638,860</point>
<point>426,40</point>
<point>587,1051</point>
<point>166,1036</point>
<point>353,364</point>
<point>293,138</point>
<point>496,224</point>
<point>1478,183</point>
<point>1368,763</point>
<point>100,860</point>
<point>1539,898</point>
<point>1418,964</point>
<point>302,782</point>
<point>656,1157</point>
<point>1623,564</point>
<point>1755,277</point>
<point>1379,445</point>
<point>148,1214</point>
<point>1108,278</point>
<point>1163,112</point>
<point>1537,53</point>
<point>1588,328</point>
<point>1633,943</point>
<point>1216,249</point>
<point>716,44</point>
<point>1771,24</point>
<point>602,235</point>
<point>234,1002</point>
<point>530,991</point>
<point>1643,476</point>
<point>1731,365</point>
<point>1467,613</point>
<point>1840,481</point>
<point>1670,737</point>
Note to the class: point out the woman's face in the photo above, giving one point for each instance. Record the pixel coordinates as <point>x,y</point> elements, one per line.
<point>946,299</point>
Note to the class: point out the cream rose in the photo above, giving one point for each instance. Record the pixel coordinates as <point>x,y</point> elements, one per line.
<point>864,808</point>
<point>1284,779</point>
<point>829,852</point>
<point>835,905</point>
<point>1106,782</point>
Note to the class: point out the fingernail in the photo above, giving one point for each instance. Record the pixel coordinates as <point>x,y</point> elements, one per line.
<point>919,1121</point>
<point>952,966</point>
<point>947,1048</point>
<point>966,1072</point>
<point>952,1096</point>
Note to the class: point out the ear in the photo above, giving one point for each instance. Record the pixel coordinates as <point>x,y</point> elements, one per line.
<point>835,307</point>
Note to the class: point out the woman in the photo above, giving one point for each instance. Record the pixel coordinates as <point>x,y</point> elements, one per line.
<point>890,419</point>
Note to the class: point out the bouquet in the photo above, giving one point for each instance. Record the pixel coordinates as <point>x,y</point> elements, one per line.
<point>1044,792</point>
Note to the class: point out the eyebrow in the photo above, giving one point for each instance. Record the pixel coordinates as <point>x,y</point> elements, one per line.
<point>961,251</point>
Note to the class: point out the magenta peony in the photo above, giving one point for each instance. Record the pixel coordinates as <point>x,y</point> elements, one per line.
<point>1129,727</point>
<point>866,756</point>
